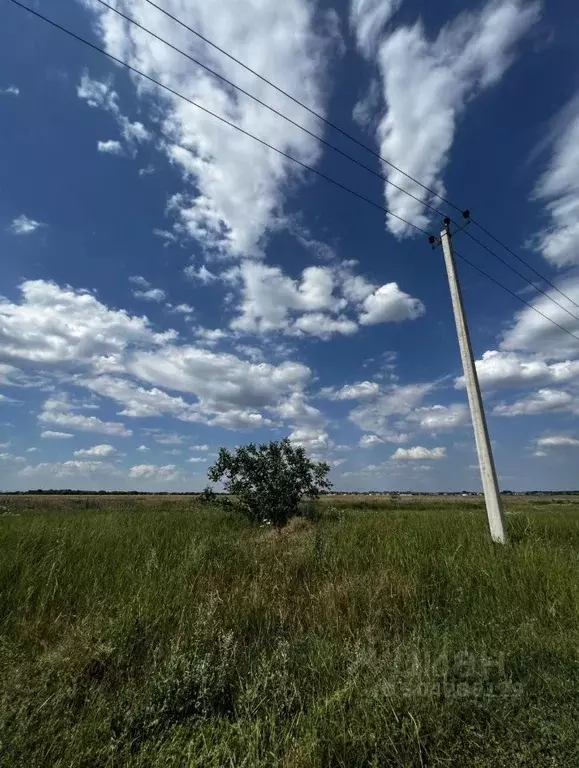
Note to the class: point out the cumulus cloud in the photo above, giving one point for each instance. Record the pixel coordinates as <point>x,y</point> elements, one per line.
<point>10,90</point>
<point>427,86</point>
<point>419,453</point>
<point>557,441</point>
<point>225,174</point>
<point>72,468</point>
<point>97,450</point>
<point>532,334</point>
<point>358,391</point>
<point>381,416</point>
<point>314,303</point>
<point>151,472</point>
<point>120,357</point>
<point>370,441</point>
<point>49,434</point>
<point>54,325</point>
<point>389,304</point>
<point>310,438</point>
<point>110,147</point>
<point>145,291</point>
<point>542,401</point>
<point>22,225</point>
<point>439,417</point>
<point>60,414</point>
<point>509,369</point>
<point>558,190</point>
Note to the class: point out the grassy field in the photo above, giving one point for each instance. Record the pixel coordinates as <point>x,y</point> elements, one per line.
<point>154,632</point>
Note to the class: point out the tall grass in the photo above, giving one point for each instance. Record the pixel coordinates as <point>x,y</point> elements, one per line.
<point>159,633</point>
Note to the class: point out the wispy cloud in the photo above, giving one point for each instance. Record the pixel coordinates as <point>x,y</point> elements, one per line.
<point>110,147</point>
<point>427,85</point>
<point>226,174</point>
<point>558,190</point>
<point>22,225</point>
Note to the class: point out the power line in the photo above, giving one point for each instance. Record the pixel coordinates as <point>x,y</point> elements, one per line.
<point>327,144</point>
<point>519,298</point>
<point>269,107</point>
<point>509,250</point>
<point>520,274</point>
<point>301,104</point>
<point>275,149</point>
<point>218,117</point>
<point>367,149</point>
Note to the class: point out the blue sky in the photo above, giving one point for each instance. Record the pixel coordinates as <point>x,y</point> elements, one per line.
<point>171,286</point>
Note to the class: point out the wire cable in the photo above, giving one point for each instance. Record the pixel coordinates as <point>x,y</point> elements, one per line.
<point>366,148</point>
<point>512,293</point>
<point>275,149</point>
<point>301,104</point>
<point>218,117</point>
<point>509,250</point>
<point>520,274</point>
<point>269,107</point>
<point>327,144</point>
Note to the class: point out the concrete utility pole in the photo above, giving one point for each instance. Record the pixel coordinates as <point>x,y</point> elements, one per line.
<point>495,513</point>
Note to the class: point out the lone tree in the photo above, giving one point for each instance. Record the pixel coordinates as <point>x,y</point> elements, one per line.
<point>270,480</point>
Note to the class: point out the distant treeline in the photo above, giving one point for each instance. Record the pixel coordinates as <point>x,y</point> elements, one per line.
<point>73,492</point>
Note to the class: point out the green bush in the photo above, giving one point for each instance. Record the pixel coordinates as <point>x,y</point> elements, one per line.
<point>270,481</point>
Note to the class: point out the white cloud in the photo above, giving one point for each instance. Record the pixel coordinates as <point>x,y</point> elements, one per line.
<point>101,94</point>
<point>10,458</point>
<point>70,468</point>
<point>370,441</point>
<point>182,309</point>
<point>199,447</point>
<point>535,335</point>
<point>54,325</point>
<point>368,19</point>
<point>168,438</point>
<point>437,417</point>
<point>22,225</point>
<point>398,401</point>
<point>50,434</point>
<point>542,401</point>
<point>389,304</point>
<point>59,413</point>
<point>138,402</point>
<point>427,85</point>
<point>143,448</point>
<point>204,275</point>
<point>220,381</point>
<point>145,291</point>
<point>311,439</point>
<point>110,147</point>
<point>234,185</point>
<point>104,350</point>
<point>97,450</point>
<point>197,460</point>
<point>167,473</point>
<point>152,294</point>
<point>557,441</point>
<point>271,300</point>
<point>419,453</point>
<point>558,189</point>
<point>358,391</point>
<point>11,90</point>
<point>510,369</point>
<point>297,411</point>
